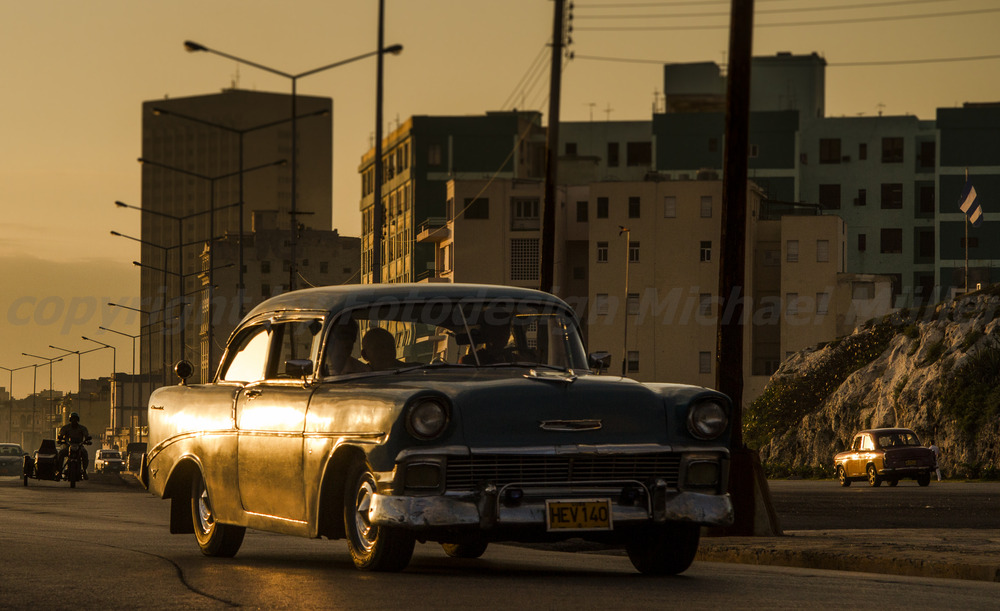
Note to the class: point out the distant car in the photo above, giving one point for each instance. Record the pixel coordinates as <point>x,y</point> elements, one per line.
<point>108,461</point>
<point>11,459</point>
<point>458,414</point>
<point>885,455</point>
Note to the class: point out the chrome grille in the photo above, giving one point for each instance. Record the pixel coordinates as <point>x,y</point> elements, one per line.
<point>470,472</point>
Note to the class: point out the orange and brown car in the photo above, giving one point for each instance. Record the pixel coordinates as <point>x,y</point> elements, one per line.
<point>885,455</point>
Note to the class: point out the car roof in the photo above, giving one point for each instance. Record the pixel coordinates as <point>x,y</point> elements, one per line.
<point>883,431</point>
<point>337,298</point>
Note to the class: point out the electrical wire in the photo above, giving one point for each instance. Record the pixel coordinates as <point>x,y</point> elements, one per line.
<point>897,62</point>
<point>776,11</point>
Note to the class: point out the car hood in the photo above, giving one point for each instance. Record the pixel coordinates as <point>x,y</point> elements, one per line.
<point>508,407</point>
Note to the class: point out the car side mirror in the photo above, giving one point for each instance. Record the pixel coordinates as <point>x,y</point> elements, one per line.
<point>599,361</point>
<point>183,369</point>
<point>298,368</point>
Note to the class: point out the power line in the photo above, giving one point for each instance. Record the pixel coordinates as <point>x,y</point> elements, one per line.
<point>897,62</point>
<point>792,23</point>
<point>798,9</point>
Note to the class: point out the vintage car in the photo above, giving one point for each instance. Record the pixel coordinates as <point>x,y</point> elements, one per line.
<point>457,414</point>
<point>11,459</point>
<point>887,455</point>
<point>108,461</point>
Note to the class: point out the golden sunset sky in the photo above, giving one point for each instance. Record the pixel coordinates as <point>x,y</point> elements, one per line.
<point>76,73</point>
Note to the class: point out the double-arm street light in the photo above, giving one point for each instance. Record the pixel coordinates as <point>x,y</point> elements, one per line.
<point>34,390</point>
<point>240,132</point>
<point>149,337</point>
<point>79,354</point>
<point>394,49</point>
<point>135,386</point>
<point>10,393</point>
<point>114,367</point>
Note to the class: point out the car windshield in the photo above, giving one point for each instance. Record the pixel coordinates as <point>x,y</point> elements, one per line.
<point>476,334</point>
<point>10,451</point>
<point>898,439</point>
<point>108,455</point>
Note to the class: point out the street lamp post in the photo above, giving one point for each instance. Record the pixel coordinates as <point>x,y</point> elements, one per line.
<point>195,47</point>
<point>114,367</point>
<point>35,389</point>
<point>79,354</point>
<point>149,340</point>
<point>628,258</point>
<point>10,392</point>
<point>211,220</point>
<point>135,387</point>
<point>239,133</point>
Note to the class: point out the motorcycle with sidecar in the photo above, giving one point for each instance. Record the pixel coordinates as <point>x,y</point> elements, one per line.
<point>43,464</point>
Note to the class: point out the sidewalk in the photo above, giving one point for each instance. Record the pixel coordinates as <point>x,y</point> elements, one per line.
<point>951,554</point>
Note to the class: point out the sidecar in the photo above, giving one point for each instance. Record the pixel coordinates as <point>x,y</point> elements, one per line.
<point>42,464</point>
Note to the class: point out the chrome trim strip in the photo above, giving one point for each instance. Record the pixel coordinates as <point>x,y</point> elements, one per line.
<point>270,517</point>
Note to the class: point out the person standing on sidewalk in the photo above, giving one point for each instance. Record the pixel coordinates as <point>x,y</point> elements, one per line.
<point>937,453</point>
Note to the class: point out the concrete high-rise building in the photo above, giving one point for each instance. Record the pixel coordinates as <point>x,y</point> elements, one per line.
<point>211,159</point>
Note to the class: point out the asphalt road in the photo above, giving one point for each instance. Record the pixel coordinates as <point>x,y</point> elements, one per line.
<point>825,505</point>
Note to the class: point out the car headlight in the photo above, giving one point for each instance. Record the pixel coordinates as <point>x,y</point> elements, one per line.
<point>707,419</point>
<point>427,418</point>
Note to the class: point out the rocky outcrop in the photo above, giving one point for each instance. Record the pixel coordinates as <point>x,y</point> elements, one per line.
<point>936,371</point>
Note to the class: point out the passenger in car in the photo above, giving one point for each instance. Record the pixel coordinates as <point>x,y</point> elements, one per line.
<point>495,338</point>
<point>379,348</point>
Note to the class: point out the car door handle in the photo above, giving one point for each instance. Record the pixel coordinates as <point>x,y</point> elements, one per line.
<point>253,393</point>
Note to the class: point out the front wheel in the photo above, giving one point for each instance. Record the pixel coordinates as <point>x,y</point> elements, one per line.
<point>842,476</point>
<point>372,547</point>
<point>214,538</point>
<point>664,550</point>
<point>874,480</point>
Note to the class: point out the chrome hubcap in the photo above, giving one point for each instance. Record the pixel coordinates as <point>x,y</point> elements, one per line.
<point>205,517</point>
<point>362,525</point>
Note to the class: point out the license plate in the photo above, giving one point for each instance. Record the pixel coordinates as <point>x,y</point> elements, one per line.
<point>911,463</point>
<point>582,514</point>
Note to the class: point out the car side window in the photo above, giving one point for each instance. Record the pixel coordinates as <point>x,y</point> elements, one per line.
<point>866,444</point>
<point>246,364</point>
<point>857,443</point>
<point>298,340</point>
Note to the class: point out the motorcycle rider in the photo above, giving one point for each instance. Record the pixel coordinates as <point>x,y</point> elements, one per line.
<point>74,432</point>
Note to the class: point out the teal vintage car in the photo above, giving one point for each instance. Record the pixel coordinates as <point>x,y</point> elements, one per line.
<point>459,414</point>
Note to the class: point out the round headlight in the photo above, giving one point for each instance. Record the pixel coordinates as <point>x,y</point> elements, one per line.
<point>707,419</point>
<point>427,418</point>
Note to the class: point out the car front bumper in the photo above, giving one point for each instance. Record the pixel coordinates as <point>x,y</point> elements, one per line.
<point>487,512</point>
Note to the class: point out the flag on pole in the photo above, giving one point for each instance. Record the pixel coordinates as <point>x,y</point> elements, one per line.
<point>968,204</point>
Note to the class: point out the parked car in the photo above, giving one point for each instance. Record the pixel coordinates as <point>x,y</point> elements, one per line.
<point>473,418</point>
<point>133,455</point>
<point>108,461</point>
<point>885,455</point>
<point>11,459</point>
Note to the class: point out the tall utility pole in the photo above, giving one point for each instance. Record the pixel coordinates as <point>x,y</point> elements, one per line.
<point>746,479</point>
<point>378,213</point>
<point>547,278</point>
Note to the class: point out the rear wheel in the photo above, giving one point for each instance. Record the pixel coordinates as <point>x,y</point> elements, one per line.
<point>874,480</point>
<point>842,476</point>
<point>465,550</point>
<point>214,539</point>
<point>372,547</point>
<point>664,550</point>
<point>924,479</point>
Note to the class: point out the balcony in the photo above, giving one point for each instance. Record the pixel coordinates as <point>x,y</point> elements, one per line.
<point>434,230</point>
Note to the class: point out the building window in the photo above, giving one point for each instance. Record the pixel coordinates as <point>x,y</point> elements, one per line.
<point>927,155</point>
<point>265,267</point>
<point>705,304</point>
<point>633,252</point>
<point>602,207</point>
<point>633,207</point>
<point>862,198</point>
<point>706,250</point>
<point>704,362</point>
<point>892,196</point>
<point>829,150</point>
<point>706,206</point>
<point>571,149</point>
<point>669,207</point>
<point>862,242</point>
<point>926,204</point>
<point>862,151</point>
<point>892,241</point>
<point>892,150</point>
<point>524,214</point>
<point>524,259</point>
<point>601,304</point>
<point>862,290</point>
<point>822,251</point>
<point>791,304</point>
<point>639,154</point>
<point>434,154</point>
<point>925,244</point>
<point>612,154</point>
<point>822,304</point>
<point>753,151</point>
<point>478,208</point>
<point>265,290</point>
<point>581,212</point>
<point>633,361</point>
<point>602,252</point>
<point>970,243</point>
<point>632,304</point>
<point>324,267</point>
<point>792,251</point>
<point>829,197</point>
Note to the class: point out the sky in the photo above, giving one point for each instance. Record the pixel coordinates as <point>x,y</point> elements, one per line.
<point>75,74</point>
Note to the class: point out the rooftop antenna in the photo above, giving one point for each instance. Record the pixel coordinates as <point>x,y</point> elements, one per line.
<point>236,78</point>
<point>592,105</point>
<point>608,110</point>
<point>880,106</point>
